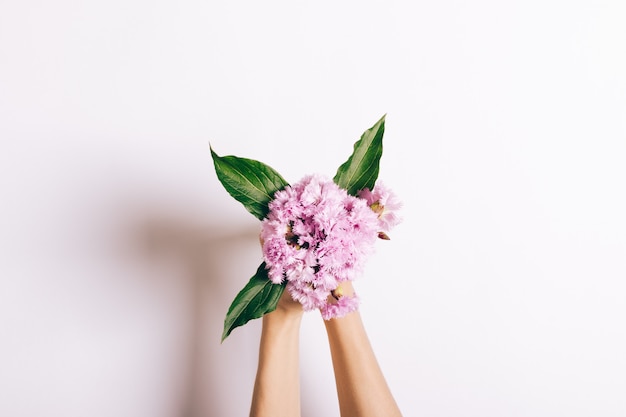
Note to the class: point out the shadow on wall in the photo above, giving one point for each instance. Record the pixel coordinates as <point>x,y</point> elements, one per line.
<point>215,264</point>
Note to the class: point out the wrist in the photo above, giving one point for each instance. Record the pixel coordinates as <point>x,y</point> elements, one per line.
<point>284,315</point>
<point>280,326</point>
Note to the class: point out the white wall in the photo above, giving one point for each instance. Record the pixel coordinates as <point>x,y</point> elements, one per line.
<point>502,293</point>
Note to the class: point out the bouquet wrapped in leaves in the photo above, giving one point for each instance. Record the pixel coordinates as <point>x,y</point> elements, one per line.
<point>315,234</point>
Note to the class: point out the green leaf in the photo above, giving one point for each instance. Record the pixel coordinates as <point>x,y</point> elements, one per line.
<point>258,297</point>
<point>361,169</point>
<point>250,182</point>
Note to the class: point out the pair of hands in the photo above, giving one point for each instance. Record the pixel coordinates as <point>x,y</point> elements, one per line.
<point>288,305</point>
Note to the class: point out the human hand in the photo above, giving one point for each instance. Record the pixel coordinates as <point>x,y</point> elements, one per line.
<point>288,305</point>
<point>344,289</point>
<point>341,302</point>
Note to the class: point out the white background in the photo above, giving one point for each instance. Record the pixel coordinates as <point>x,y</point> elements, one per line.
<point>501,294</point>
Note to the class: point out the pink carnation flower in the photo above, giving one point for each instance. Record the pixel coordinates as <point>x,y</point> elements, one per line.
<point>343,306</point>
<point>386,205</point>
<point>315,236</point>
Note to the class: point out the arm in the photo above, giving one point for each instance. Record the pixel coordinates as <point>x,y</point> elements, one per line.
<point>277,385</point>
<point>361,385</point>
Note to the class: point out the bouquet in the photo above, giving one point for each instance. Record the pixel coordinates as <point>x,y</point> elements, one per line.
<point>315,234</point>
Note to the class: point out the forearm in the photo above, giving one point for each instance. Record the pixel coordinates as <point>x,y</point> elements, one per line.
<point>277,385</point>
<point>361,386</point>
